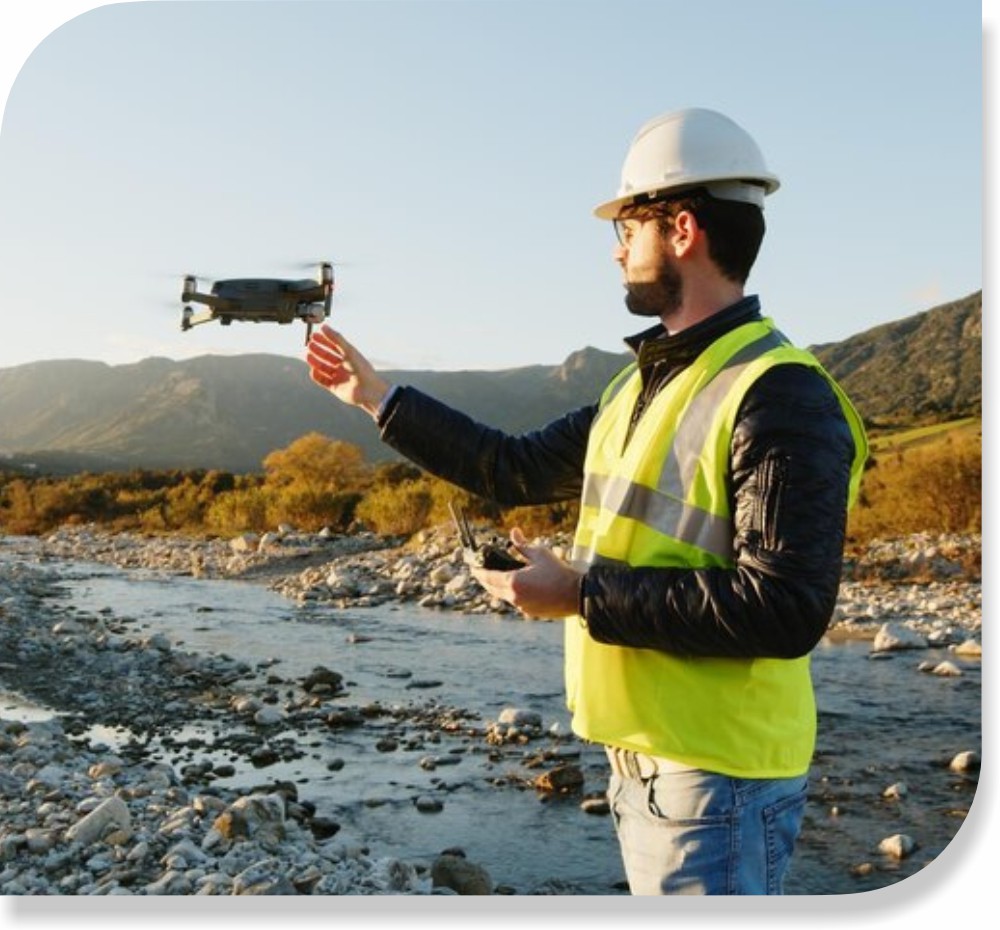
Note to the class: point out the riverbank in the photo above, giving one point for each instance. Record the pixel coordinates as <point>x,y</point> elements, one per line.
<point>183,831</point>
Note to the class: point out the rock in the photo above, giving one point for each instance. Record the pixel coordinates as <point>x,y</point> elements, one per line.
<point>105,769</point>
<point>171,882</point>
<point>247,542</point>
<point>38,841</point>
<point>595,805</point>
<point>517,717</point>
<point>563,779</point>
<point>970,648</point>
<point>268,541</point>
<point>968,761</point>
<point>514,725</point>
<point>898,846</point>
<point>157,641</point>
<point>68,628</point>
<point>268,717</point>
<point>110,812</point>
<point>460,875</point>
<point>258,816</point>
<point>322,680</point>
<point>442,574</point>
<point>892,637</point>
<point>947,670</point>
<point>245,704</point>
<point>263,878</point>
<point>324,827</point>
<point>428,805</point>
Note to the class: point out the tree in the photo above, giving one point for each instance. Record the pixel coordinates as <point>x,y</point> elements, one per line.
<point>316,464</point>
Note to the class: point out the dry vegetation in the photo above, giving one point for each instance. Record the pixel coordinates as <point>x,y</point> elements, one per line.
<point>917,481</point>
<point>921,481</point>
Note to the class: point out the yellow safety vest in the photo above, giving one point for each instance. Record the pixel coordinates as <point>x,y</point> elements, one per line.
<point>662,499</point>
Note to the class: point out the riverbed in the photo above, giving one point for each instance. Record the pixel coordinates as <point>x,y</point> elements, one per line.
<point>888,731</point>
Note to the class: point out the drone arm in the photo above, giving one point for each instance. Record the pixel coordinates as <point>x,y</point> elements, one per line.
<point>217,303</point>
<point>190,319</point>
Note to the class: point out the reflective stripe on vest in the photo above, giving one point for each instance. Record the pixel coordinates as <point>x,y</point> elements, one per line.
<point>659,498</point>
<point>665,507</point>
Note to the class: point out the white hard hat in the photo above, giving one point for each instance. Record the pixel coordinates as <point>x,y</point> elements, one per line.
<point>689,148</point>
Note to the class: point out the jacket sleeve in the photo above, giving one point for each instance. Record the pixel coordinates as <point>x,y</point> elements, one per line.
<point>790,470</point>
<point>538,467</point>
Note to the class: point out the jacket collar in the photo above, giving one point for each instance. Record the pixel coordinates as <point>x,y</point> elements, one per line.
<point>657,340</point>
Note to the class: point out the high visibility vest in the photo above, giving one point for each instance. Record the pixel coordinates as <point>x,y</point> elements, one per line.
<point>661,498</point>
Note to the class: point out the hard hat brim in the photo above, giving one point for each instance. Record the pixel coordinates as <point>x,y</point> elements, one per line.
<point>740,190</point>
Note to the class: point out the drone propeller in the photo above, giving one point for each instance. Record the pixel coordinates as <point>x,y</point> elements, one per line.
<point>311,266</point>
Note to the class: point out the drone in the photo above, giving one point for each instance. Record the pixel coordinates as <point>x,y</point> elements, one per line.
<point>260,300</point>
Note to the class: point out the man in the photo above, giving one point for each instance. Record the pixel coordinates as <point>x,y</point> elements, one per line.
<point>714,477</point>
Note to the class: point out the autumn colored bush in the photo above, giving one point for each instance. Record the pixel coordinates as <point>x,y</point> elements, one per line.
<point>919,482</point>
<point>931,487</point>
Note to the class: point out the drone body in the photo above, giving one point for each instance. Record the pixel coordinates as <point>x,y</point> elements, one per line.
<point>260,300</point>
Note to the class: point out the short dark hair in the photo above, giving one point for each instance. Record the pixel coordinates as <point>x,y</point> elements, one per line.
<point>735,229</point>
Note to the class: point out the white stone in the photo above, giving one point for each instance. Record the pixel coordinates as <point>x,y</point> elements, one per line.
<point>892,636</point>
<point>457,584</point>
<point>268,716</point>
<point>947,670</point>
<point>965,762</point>
<point>245,704</point>
<point>91,828</point>
<point>245,543</point>
<point>442,573</point>
<point>517,717</point>
<point>268,540</point>
<point>899,846</point>
<point>970,648</point>
<point>68,628</point>
<point>158,641</point>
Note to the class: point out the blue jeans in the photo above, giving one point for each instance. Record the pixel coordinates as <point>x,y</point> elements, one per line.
<point>694,832</point>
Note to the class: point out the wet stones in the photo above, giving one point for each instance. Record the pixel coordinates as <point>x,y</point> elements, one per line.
<point>514,725</point>
<point>897,846</point>
<point>968,761</point>
<point>323,681</point>
<point>563,779</point>
<point>892,637</point>
<point>261,817</point>
<point>453,872</point>
<point>118,828</point>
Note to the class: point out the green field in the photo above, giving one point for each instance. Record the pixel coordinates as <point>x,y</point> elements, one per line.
<point>911,437</point>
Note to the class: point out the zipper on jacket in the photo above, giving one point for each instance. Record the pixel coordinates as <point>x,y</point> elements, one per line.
<point>773,471</point>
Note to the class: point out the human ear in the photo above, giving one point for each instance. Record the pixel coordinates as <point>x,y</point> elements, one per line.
<point>684,233</point>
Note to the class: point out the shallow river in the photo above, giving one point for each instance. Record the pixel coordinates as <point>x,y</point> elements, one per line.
<point>881,722</point>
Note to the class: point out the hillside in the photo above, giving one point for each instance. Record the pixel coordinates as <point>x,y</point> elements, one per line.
<point>228,412</point>
<point>923,369</point>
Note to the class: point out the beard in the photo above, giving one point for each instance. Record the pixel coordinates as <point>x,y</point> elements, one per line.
<point>660,297</point>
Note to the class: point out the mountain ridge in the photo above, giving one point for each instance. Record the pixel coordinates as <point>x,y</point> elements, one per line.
<point>229,412</point>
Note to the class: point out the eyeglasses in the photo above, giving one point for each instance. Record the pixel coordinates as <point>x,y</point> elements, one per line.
<point>627,227</point>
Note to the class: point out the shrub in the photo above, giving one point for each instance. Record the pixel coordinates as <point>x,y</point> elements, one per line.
<point>933,488</point>
<point>401,509</point>
<point>239,511</point>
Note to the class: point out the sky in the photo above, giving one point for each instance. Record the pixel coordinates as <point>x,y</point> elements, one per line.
<point>448,154</point>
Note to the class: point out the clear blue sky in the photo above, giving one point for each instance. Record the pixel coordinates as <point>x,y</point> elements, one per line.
<point>450,153</point>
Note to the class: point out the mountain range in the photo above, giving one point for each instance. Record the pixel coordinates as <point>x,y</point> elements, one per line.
<point>229,412</point>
